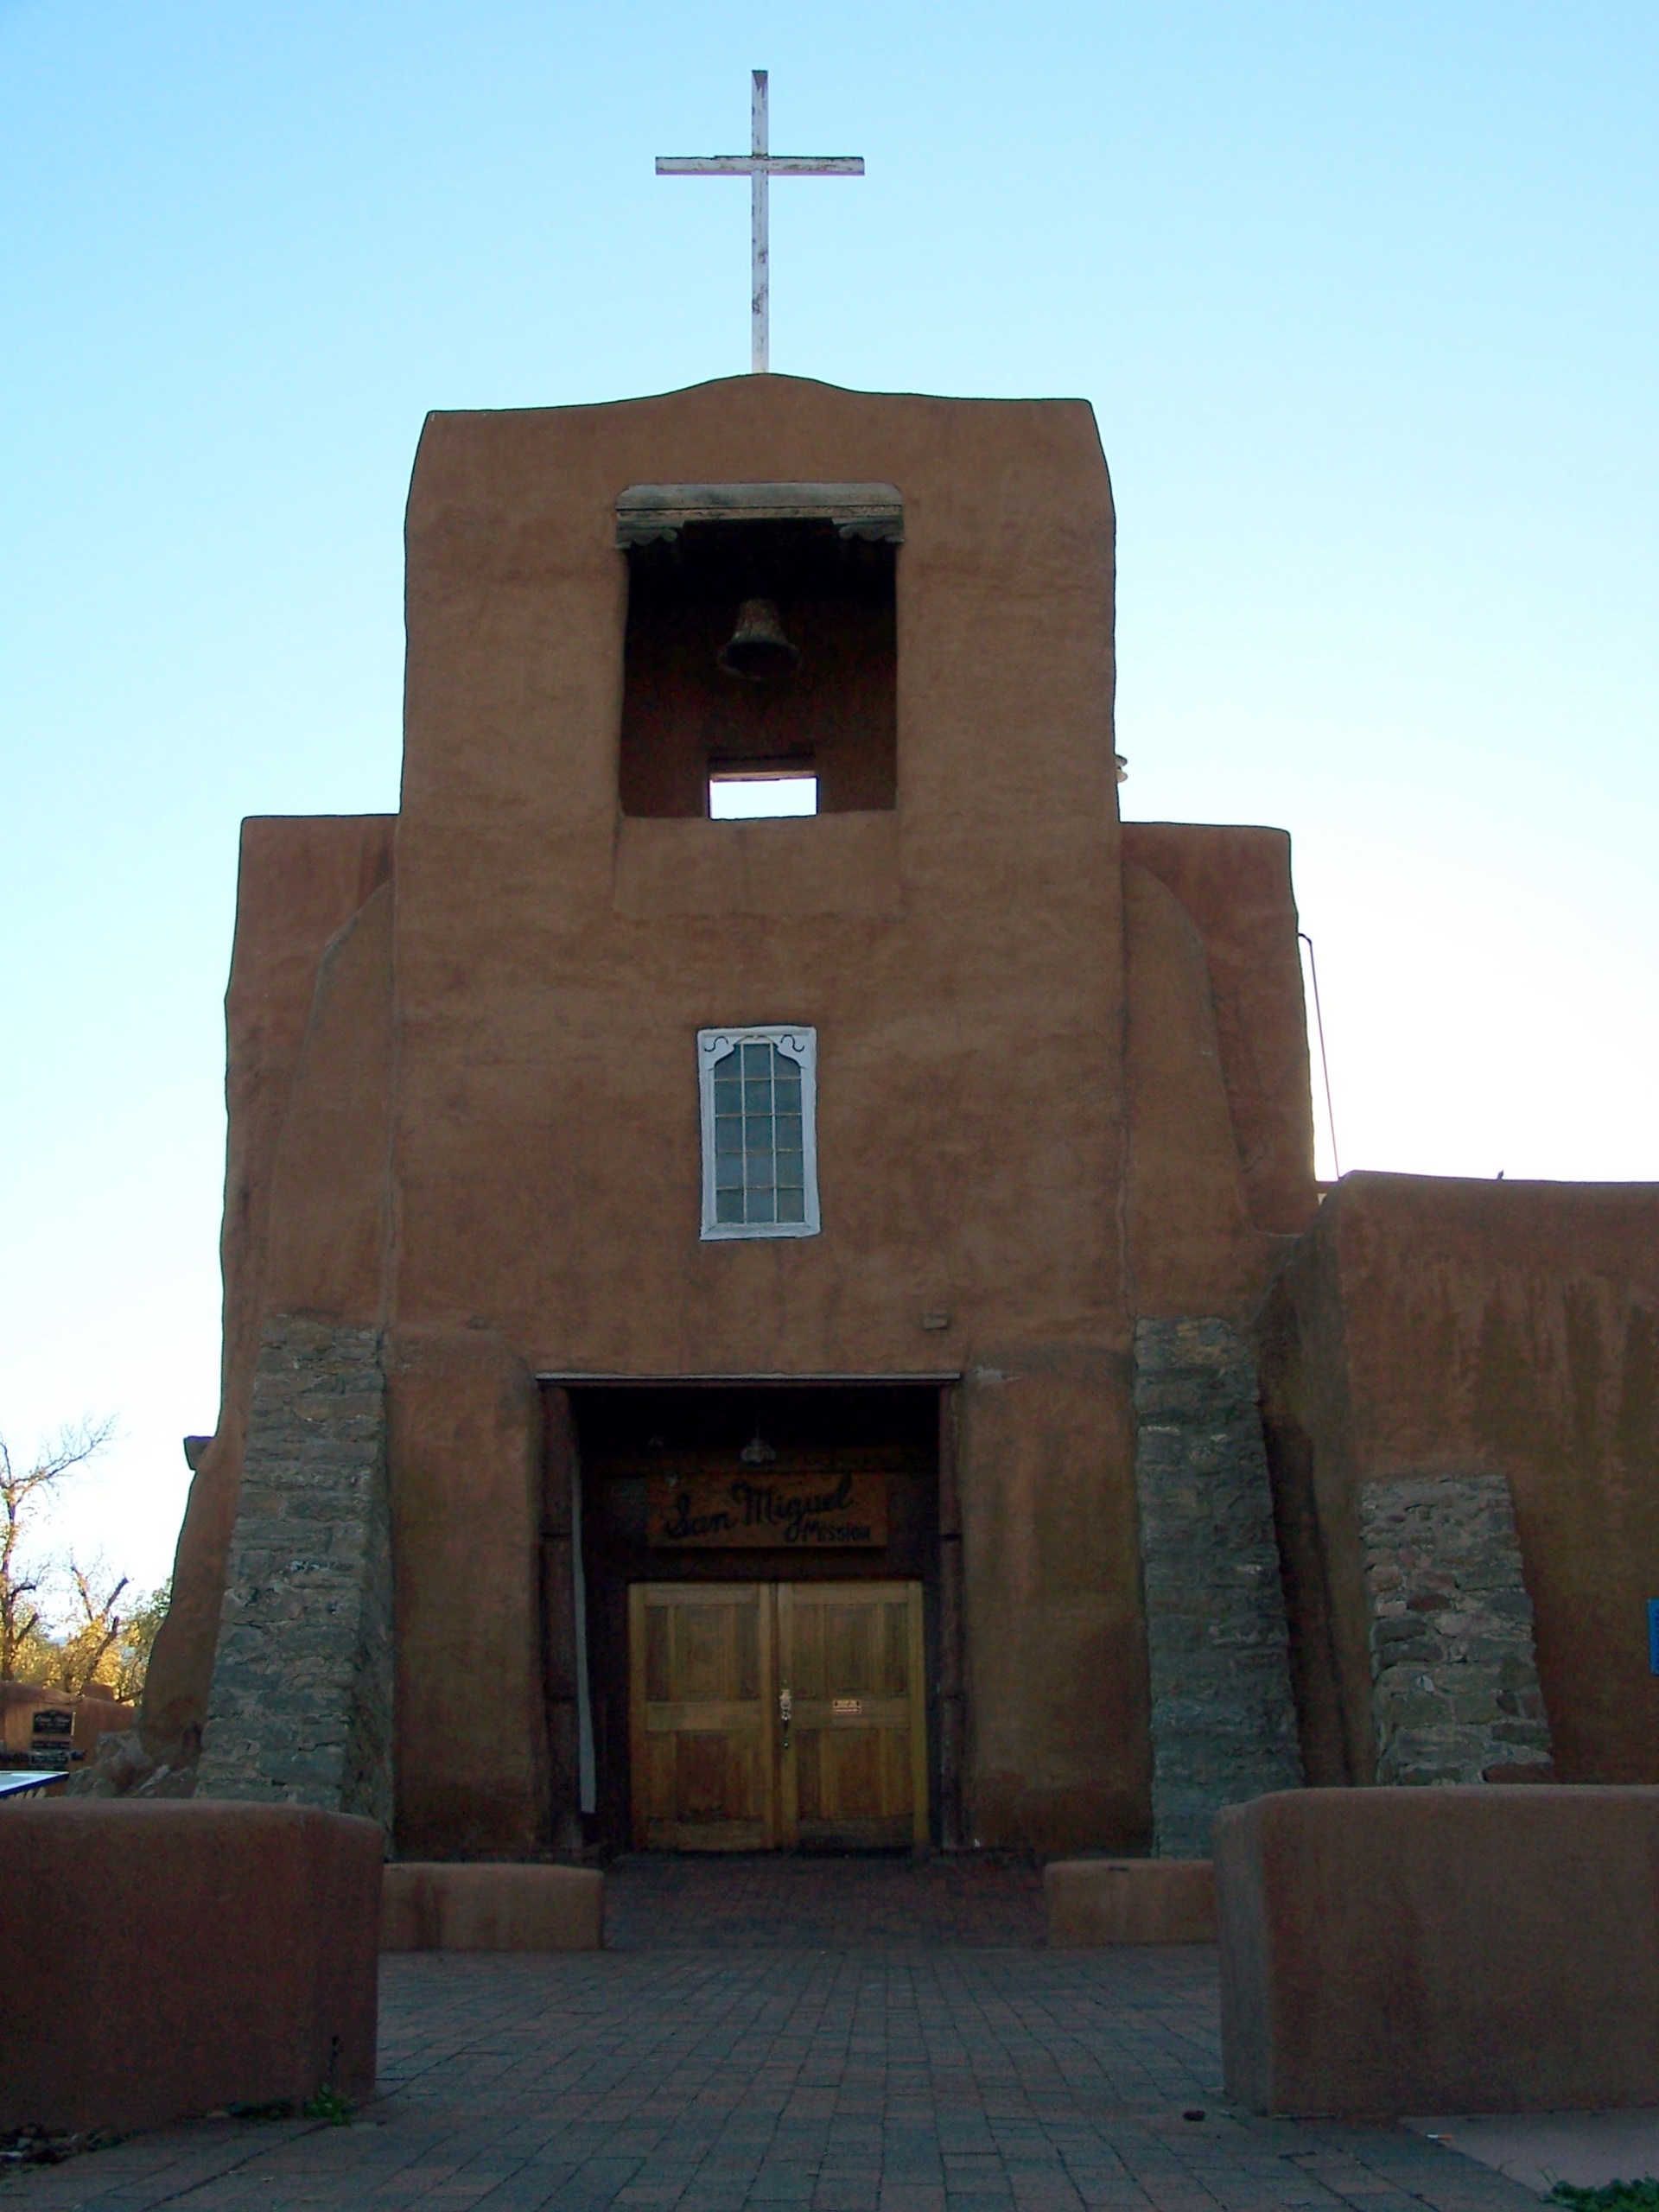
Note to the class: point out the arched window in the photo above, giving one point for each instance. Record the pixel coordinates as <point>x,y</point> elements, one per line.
<point>759,1148</point>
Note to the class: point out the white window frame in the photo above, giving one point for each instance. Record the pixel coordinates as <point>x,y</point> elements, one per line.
<point>796,1043</point>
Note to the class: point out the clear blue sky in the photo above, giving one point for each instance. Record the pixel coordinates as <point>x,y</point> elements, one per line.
<point>1363,294</point>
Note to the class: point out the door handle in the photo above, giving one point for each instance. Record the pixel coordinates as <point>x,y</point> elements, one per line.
<point>785,1711</point>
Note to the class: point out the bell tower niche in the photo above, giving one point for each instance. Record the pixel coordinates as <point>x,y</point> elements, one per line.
<point>760,642</point>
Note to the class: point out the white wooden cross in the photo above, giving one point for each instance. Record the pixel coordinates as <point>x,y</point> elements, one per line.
<point>759,166</point>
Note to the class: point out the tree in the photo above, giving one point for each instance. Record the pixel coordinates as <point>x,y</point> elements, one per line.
<point>24,1641</point>
<point>104,1646</point>
<point>87,1645</point>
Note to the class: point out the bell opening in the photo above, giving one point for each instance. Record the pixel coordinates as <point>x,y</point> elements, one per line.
<point>687,712</point>
<point>757,650</point>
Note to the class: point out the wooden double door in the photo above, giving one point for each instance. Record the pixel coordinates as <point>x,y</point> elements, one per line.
<point>768,1715</point>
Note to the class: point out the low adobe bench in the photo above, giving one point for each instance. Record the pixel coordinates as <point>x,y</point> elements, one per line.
<point>1440,1950</point>
<point>1095,1901</point>
<point>437,1905</point>
<point>165,1958</point>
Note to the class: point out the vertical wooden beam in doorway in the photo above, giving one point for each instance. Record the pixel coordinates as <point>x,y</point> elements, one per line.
<point>559,1620</point>
<point>953,1749</point>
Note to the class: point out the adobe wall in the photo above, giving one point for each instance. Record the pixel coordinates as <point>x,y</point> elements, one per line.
<point>301,882</point>
<point>98,1712</point>
<point>961,958</point>
<point>1053,1098</point>
<point>1233,883</point>
<point>1190,1247</point>
<point>1430,1326</point>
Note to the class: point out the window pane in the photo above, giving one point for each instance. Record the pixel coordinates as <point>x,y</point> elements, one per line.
<point>758,1137</point>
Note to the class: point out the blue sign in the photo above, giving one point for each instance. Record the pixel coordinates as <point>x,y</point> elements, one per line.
<point>1653,1636</point>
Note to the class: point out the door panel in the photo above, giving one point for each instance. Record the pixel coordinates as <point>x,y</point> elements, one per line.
<point>850,1655</point>
<point>703,1727</point>
<point>715,1768</point>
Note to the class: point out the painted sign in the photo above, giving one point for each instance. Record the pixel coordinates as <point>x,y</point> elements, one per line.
<point>777,1512</point>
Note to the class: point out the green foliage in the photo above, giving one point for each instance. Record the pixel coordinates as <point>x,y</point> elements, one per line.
<point>329,2105</point>
<point>128,1660</point>
<point>33,1653</point>
<point>1612,2197</point>
<point>110,1645</point>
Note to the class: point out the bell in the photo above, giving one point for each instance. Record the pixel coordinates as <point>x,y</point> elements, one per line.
<point>758,648</point>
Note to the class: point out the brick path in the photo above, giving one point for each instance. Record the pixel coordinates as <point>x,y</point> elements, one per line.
<point>846,2036</point>
<point>763,1904</point>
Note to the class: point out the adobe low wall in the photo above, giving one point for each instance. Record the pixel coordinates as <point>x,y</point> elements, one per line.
<point>430,1906</point>
<point>1090,1902</point>
<point>96,1717</point>
<point>164,1959</point>
<point>1450,1949</point>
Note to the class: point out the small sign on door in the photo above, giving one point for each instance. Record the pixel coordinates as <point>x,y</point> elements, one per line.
<point>772,1511</point>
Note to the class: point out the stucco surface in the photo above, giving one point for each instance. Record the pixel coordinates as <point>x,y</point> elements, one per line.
<point>968,1000</point>
<point>1234,883</point>
<point>429,1906</point>
<point>1191,1248</point>
<point>986,1005</point>
<point>330,1183</point>
<point>1454,1949</point>
<point>1430,1326</point>
<point>1056,1636</point>
<point>464,1104</point>
<point>1092,1902</point>
<point>465,1452</point>
<point>167,1959</point>
<point>301,882</point>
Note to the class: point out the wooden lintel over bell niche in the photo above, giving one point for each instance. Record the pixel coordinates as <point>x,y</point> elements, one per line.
<point>769,1509</point>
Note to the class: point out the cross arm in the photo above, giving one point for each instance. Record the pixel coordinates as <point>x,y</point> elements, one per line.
<point>760,165</point>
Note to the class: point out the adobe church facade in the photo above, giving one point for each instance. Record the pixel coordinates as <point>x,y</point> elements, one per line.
<point>747,1333</point>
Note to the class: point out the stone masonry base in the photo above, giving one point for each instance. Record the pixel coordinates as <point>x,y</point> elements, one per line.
<point>299,1709</point>
<point>1223,1722</point>
<point>1454,1678</point>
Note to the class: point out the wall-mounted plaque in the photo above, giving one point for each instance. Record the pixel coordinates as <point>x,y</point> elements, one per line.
<point>764,1509</point>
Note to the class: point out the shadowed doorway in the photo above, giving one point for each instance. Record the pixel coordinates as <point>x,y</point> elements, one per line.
<point>723,1528</point>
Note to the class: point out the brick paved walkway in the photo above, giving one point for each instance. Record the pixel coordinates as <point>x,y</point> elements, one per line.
<point>765,1903</point>
<point>848,2036</point>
